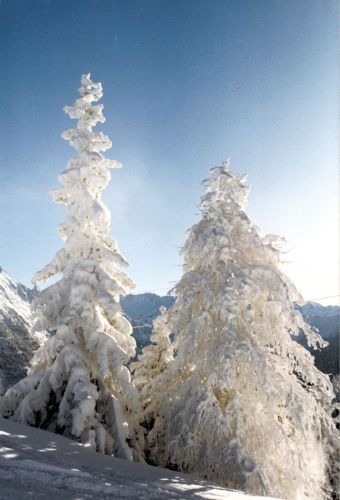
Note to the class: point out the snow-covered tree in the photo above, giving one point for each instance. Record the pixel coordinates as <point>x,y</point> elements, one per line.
<point>154,359</point>
<point>79,384</point>
<point>241,403</point>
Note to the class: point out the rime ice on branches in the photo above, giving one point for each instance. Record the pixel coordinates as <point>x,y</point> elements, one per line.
<point>241,402</point>
<point>79,384</point>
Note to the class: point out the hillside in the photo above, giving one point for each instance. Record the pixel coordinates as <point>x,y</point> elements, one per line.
<point>327,320</point>
<point>17,343</point>
<point>38,464</point>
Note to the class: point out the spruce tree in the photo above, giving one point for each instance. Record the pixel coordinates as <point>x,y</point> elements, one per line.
<point>241,403</point>
<point>153,361</point>
<point>79,383</point>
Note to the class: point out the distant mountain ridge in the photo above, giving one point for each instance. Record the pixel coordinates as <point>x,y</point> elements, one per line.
<point>311,309</point>
<point>327,321</point>
<point>141,310</point>
<point>17,342</point>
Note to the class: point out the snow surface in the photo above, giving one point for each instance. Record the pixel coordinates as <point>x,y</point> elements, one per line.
<point>38,464</point>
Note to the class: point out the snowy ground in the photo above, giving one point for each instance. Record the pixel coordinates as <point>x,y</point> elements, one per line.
<point>40,465</point>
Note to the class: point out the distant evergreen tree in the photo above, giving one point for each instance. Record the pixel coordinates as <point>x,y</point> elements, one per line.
<point>154,360</point>
<point>79,384</point>
<point>241,402</point>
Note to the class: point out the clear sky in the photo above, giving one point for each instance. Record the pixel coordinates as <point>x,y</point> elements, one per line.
<point>186,84</point>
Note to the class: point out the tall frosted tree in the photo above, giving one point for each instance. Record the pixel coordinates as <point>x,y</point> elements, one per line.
<point>79,384</point>
<point>241,403</point>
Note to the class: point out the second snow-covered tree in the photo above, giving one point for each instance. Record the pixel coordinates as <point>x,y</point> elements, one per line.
<point>241,402</point>
<point>79,383</point>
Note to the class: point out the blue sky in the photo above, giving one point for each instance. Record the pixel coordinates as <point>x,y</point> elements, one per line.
<point>186,84</point>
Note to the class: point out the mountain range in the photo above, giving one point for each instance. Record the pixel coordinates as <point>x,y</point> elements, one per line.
<point>17,342</point>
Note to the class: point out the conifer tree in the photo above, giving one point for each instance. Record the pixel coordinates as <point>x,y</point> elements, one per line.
<point>79,384</point>
<point>154,359</point>
<point>241,403</point>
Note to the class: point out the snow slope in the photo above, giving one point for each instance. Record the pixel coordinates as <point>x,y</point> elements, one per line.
<point>38,464</point>
<point>16,341</point>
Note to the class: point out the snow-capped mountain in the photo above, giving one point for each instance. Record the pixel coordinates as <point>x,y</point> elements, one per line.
<point>327,320</point>
<point>312,309</point>
<point>142,309</point>
<point>17,343</point>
